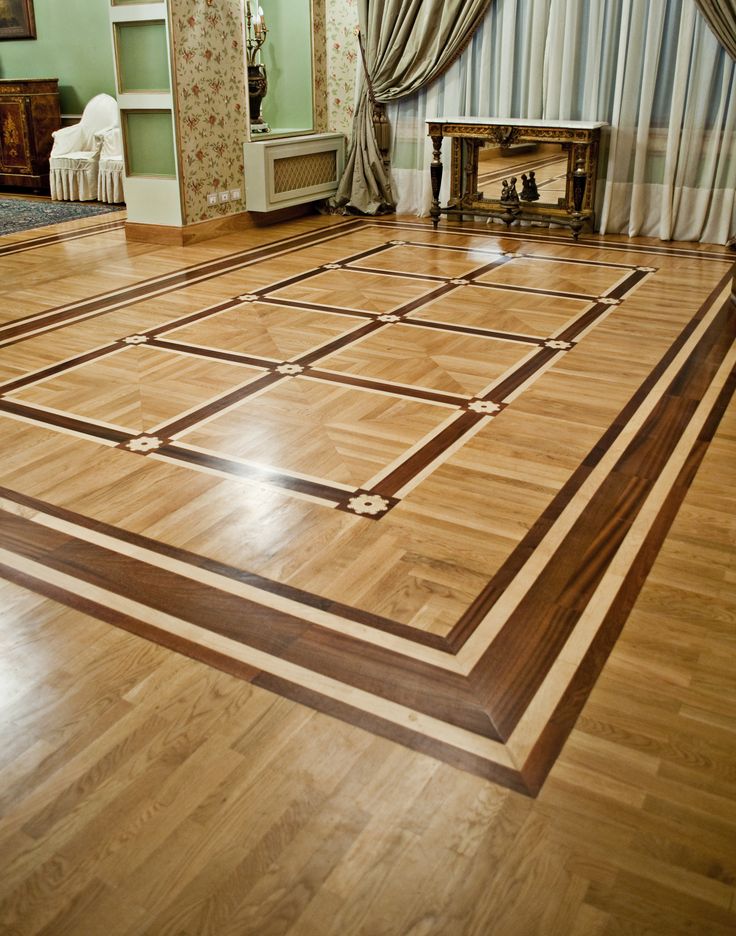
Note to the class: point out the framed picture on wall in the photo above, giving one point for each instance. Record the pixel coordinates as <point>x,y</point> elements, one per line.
<point>17,20</point>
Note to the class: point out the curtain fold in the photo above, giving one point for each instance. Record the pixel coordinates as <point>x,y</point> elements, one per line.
<point>672,157</point>
<point>408,43</point>
<point>721,17</point>
<point>651,68</point>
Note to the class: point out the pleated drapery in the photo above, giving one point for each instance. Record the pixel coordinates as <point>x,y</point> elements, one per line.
<point>408,43</point>
<point>651,68</point>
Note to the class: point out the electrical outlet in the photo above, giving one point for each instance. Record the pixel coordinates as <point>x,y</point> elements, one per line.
<point>224,196</point>
<point>212,198</point>
<point>235,194</point>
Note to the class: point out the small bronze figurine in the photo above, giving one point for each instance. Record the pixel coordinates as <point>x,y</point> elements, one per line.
<point>509,195</point>
<point>529,191</point>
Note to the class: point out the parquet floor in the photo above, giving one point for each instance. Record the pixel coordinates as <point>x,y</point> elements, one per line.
<point>415,481</point>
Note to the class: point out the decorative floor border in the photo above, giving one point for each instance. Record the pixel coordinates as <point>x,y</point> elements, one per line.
<point>46,240</point>
<point>499,696</point>
<point>543,236</point>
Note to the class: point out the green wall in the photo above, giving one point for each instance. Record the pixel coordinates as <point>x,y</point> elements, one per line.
<point>143,61</point>
<point>287,55</point>
<point>150,136</point>
<point>73,45</point>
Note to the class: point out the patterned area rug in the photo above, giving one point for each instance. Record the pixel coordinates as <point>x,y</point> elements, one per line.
<point>20,214</point>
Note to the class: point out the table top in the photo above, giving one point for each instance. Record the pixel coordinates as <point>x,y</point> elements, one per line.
<point>519,122</point>
<point>7,81</point>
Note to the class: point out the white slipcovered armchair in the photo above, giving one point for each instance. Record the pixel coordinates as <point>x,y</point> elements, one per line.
<point>75,155</point>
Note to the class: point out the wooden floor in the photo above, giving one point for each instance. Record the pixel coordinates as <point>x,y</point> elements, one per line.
<point>143,792</point>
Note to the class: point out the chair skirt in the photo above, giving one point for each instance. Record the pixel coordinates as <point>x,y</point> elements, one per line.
<point>110,181</point>
<point>73,179</point>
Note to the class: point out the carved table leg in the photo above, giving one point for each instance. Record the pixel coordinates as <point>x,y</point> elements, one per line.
<point>435,171</point>
<point>579,181</point>
<point>576,225</point>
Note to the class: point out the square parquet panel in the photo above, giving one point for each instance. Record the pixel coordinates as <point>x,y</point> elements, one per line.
<point>277,333</point>
<point>412,478</point>
<point>499,310</point>
<point>320,429</point>
<point>558,275</point>
<point>429,358</point>
<point>344,289</point>
<point>426,260</point>
<point>136,387</point>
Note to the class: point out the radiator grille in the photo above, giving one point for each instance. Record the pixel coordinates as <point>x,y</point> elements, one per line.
<point>300,172</point>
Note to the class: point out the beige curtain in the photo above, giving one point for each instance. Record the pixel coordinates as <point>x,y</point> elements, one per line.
<point>408,43</point>
<point>721,17</point>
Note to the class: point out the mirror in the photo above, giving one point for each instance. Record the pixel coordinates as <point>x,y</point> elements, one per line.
<point>280,67</point>
<point>545,163</point>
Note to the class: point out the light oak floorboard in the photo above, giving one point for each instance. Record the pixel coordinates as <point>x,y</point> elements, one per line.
<point>144,792</point>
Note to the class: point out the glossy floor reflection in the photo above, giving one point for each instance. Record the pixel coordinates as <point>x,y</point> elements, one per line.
<point>466,443</point>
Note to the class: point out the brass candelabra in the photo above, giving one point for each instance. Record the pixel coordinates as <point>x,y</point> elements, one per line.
<point>255,32</point>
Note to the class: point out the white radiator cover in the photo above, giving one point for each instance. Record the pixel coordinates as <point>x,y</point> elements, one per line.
<point>292,170</point>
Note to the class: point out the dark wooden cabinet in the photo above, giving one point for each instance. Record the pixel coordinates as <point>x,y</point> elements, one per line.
<point>29,113</point>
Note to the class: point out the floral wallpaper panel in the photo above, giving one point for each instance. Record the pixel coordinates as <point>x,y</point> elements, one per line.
<point>341,22</point>
<point>319,59</point>
<point>209,67</point>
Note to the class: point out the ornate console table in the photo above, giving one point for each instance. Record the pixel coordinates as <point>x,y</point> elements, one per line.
<point>580,139</point>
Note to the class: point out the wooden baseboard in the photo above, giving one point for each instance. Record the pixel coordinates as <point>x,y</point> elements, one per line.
<point>264,218</point>
<point>215,227</point>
